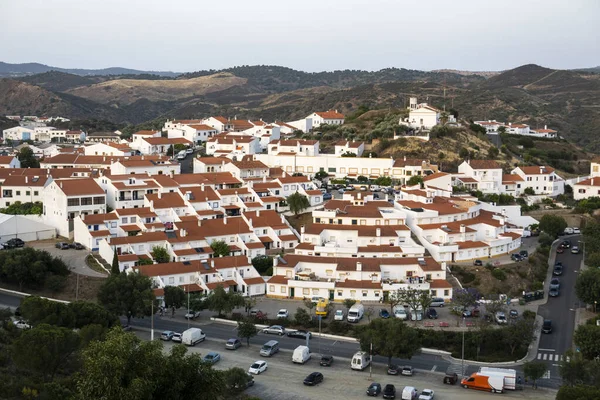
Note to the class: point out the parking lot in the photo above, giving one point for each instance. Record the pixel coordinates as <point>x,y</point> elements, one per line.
<point>283,379</point>
<point>75,259</point>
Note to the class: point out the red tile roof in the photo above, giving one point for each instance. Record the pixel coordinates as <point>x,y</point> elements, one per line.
<point>80,187</point>
<point>331,114</point>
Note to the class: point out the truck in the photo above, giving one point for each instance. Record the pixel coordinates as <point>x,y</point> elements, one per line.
<point>356,312</point>
<point>495,380</point>
<point>322,308</point>
<point>192,336</point>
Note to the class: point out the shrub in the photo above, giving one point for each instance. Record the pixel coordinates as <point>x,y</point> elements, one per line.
<point>528,314</point>
<point>339,328</point>
<point>499,274</point>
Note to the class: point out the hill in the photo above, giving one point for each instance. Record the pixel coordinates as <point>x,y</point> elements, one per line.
<point>15,70</point>
<point>58,81</point>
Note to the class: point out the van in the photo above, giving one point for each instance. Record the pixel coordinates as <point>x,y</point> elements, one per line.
<point>355,313</point>
<point>400,313</point>
<point>192,336</point>
<point>409,393</point>
<point>437,302</point>
<point>360,360</point>
<point>181,155</point>
<point>301,355</point>
<point>269,348</point>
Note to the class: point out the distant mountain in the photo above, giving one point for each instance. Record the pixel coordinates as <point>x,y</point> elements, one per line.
<point>16,70</point>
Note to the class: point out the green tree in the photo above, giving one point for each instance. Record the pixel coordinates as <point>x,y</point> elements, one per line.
<point>302,317</point>
<point>27,158</point>
<point>553,224</point>
<point>578,392</point>
<point>197,302</point>
<point>127,294</point>
<point>263,264</point>
<point>246,330</point>
<point>348,154</point>
<point>297,203</point>
<point>501,130</point>
<point>18,208</point>
<point>310,305</point>
<point>463,153</point>
<point>587,285</point>
<point>575,370</point>
<point>174,296</point>
<point>493,152</point>
<point>390,338</point>
<point>520,333</point>
<point>412,298</point>
<point>587,337</point>
<point>223,302</point>
<point>534,370</point>
<point>529,191</point>
<point>348,303</point>
<point>393,299</point>
<point>45,349</point>
<point>369,312</point>
<point>321,175</point>
<point>160,254</point>
<point>464,298</point>
<point>236,380</point>
<point>29,267</point>
<point>220,248</point>
<point>415,180</point>
<point>362,179</point>
<point>383,181</point>
<point>114,269</point>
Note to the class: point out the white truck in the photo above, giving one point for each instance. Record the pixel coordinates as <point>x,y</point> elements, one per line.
<point>509,375</point>
<point>356,312</point>
<point>192,336</point>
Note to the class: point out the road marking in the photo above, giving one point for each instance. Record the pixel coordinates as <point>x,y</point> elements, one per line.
<point>334,343</point>
<point>545,356</point>
<point>556,365</point>
<point>568,358</point>
<point>539,355</point>
<point>546,350</point>
<point>571,309</point>
<point>556,357</point>
<point>434,368</point>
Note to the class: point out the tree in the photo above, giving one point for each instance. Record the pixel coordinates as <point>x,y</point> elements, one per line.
<point>45,349</point>
<point>309,304</point>
<point>425,299</point>
<point>127,294</point>
<point>321,175</point>
<point>575,370</point>
<point>348,303</point>
<point>221,301</point>
<point>348,154</point>
<point>114,269</point>
<point>236,380</point>
<point>29,267</point>
<point>587,338</point>
<point>220,248</point>
<point>534,370</point>
<point>263,264</point>
<point>197,301</point>
<point>297,203</point>
<point>587,285</point>
<point>494,306</point>
<point>464,298</point>
<point>362,179</point>
<point>383,181</point>
<point>463,153</point>
<point>302,317</point>
<point>27,158</point>
<point>553,224</point>
<point>393,299</point>
<point>411,297</point>
<point>369,311</point>
<point>18,208</point>
<point>174,296</point>
<point>529,191</point>
<point>520,333</point>
<point>160,254</point>
<point>390,338</point>
<point>493,152</point>
<point>247,330</point>
<point>415,180</point>
<point>501,130</point>
<point>579,392</point>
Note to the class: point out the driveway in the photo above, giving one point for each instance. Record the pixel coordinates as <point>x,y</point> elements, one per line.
<point>75,259</point>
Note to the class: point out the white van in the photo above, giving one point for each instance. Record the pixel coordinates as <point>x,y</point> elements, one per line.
<point>181,155</point>
<point>355,313</point>
<point>360,360</point>
<point>269,348</point>
<point>416,314</point>
<point>301,355</point>
<point>192,336</point>
<point>409,393</point>
<point>400,313</point>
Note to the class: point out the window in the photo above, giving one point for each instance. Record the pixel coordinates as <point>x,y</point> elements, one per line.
<point>283,289</point>
<point>340,293</point>
<point>354,222</point>
<point>27,193</point>
<point>113,224</point>
<point>132,219</point>
<point>446,292</point>
<point>329,272</point>
<point>18,193</point>
<point>331,169</point>
<point>72,202</point>
<point>86,201</point>
<point>171,280</point>
<point>353,293</point>
<point>376,294</point>
<point>124,220</point>
<point>191,278</point>
<point>181,279</point>
<point>99,200</point>
<point>364,293</point>
<point>271,288</point>
<point>306,291</point>
<point>315,291</point>
<point>36,193</point>
<point>318,220</point>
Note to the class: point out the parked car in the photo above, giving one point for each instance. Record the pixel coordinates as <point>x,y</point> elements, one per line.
<point>384,313</point>
<point>407,370</point>
<point>524,253</point>
<point>21,324</point>
<point>432,313</point>
<point>326,361</point>
<point>393,369</point>
<point>212,357</point>
<point>350,188</point>
<point>513,313</point>
<point>327,196</point>
<point>191,314</point>
<point>516,257</point>
<point>575,250</point>
<point>568,231</point>
<point>283,313</point>
<point>62,245</point>
<point>554,292</point>
<point>560,250</point>
<point>233,344</point>
<point>576,231</point>
<point>450,378</point>
<point>13,243</point>
<point>316,299</point>
<point>189,150</point>
<point>374,389</point>
<point>389,392</point>
<point>235,387</point>
<point>555,283</point>
<point>299,333</point>
<point>547,326</point>
<point>426,394</point>
<point>314,378</point>
<point>274,330</point>
<point>258,367</point>
<point>558,270</point>
<point>341,191</point>
<point>501,318</point>
<point>76,246</point>
<point>176,337</point>
<point>478,263</point>
<point>166,335</point>
<point>339,315</point>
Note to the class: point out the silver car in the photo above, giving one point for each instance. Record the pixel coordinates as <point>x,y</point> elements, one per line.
<point>233,344</point>
<point>274,330</point>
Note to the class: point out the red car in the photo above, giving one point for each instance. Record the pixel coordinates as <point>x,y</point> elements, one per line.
<point>560,250</point>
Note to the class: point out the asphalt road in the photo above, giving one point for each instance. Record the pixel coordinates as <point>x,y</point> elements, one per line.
<point>561,310</point>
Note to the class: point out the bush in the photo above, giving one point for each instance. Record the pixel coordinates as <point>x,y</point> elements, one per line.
<point>499,274</point>
<point>528,314</point>
<point>340,328</point>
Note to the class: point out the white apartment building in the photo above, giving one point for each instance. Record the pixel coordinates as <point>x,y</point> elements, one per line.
<point>108,149</point>
<point>127,191</point>
<point>421,116</point>
<point>349,147</point>
<point>487,173</point>
<point>234,145</point>
<point>542,179</point>
<point>23,188</point>
<point>195,133</point>
<point>294,146</point>
<point>331,117</point>
<point>148,166</point>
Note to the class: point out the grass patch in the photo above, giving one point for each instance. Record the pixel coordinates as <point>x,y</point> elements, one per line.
<point>93,264</point>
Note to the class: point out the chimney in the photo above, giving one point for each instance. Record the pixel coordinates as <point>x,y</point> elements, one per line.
<point>26,179</point>
<point>359,196</point>
<point>188,195</point>
<point>249,260</point>
<point>182,233</point>
<point>61,185</point>
<point>463,229</point>
<point>545,126</point>
<point>152,205</point>
<point>405,158</point>
<point>284,174</point>
<point>202,186</point>
<point>172,174</point>
<point>160,195</point>
<point>359,266</point>
<point>264,178</point>
<point>199,222</point>
<point>250,224</point>
<point>302,229</point>
<point>258,213</point>
<point>212,263</point>
<point>443,265</point>
<point>378,232</point>
<point>225,220</point>
<point>283,218</point>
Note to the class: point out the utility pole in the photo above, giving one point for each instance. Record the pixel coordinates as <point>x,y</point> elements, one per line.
<point>152,322</point>
<point>462,367</point>
<point>188,308</point>
<point>77,288</point>
<point>371,362</point>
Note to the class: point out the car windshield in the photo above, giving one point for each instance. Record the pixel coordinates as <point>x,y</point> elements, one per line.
<point>255,365</point>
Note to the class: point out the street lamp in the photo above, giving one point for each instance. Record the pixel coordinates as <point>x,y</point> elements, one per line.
<point>462,361</point>
<point>188,308</point>
<point>152,321</point>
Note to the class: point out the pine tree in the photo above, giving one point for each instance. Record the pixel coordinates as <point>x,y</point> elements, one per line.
<point>115,265</point>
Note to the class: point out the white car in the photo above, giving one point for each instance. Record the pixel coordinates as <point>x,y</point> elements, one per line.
<point>275,330</point>
<point>400,313</point>
<point>339,315</point>
<point>257,367</point>
<point>176,337</point>
<point>22,324</point>
<point>568,231</point>
<point>189,151</point>
<point>283,313</point>
<point>426,394</point>
<point>576,231</point>
<point>501,318</point>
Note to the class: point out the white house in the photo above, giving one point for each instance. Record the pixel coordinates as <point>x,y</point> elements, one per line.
<point>487,173</point>
<point>220,123</point>
<point>331,117</point>
<point>9,162</point>
<point>139,135</point>
<point>127,191</point>
<point>349,147</point>
<point>108,149</point>
<point>19,133</point>
<point>421,116</point>
<point>23,188</point>
<point>236,145</point>
<point>294,146</point>
<point>159,145</point>
<point>542,179</point>
<point>148,166</point>
<point>587,188</point>
<point>195,133</point>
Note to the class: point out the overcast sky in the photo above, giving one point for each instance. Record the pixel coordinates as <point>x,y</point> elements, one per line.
<point>310,35</point>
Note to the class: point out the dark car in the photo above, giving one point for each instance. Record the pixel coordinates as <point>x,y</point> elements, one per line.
<point>555,283</point>
<point>76,246</point>
<point>62,245</point>
<point>524,253</point>
<point>554,292</point>
<point>560,250</point>
<point>384,313</point>
<point>451,378</point>
<point>299,334</point>
<point>326,361</point>
<point>566,244</point>
<point>432,313</point>
<point>513,313</point>
<point>389,392</point>
<point>393,369</point>
<point>13,243</point>
<point>313,379</point>
<point>516,257</point>
<point>327,196</point>
<point>547,326</point>
<point>478,263</point>
<point>374,389</point>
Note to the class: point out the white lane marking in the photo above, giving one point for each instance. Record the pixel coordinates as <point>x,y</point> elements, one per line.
<point>546,350</point>
<point>539,355</point>
<point>434,368</point>
<point>545,357</point>
<point>568,359</point>
<point>334,343</point>
<point>556,357</point>
<point>556,365</point>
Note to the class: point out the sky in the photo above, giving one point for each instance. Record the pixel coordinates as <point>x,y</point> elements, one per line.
<point>308,35</point>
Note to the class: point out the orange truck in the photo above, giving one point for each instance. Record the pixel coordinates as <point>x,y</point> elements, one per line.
<point>494,380</point>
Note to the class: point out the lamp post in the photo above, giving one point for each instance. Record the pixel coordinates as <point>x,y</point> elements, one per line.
<point>188,308</point>
<point>371,362</point>
<point>152,321</point>
<point>462,361</point>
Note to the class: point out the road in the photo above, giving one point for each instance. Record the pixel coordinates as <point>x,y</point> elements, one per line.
<point>561,310</point>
